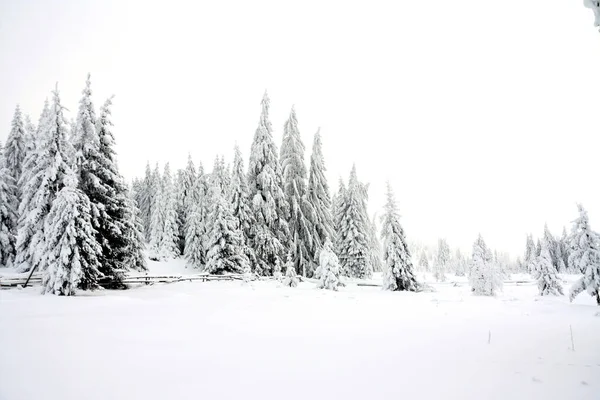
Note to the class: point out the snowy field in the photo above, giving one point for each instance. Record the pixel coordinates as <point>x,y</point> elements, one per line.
<point>228,340</point>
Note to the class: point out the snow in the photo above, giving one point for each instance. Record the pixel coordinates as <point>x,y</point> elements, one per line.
<point>224,340</point>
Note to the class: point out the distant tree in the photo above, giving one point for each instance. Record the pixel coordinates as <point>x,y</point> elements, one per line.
<point>329,268</point>
<point>196,230</point>
<point>538,248</point>
<point>585,256</point>
<point>545,273</point>
<point>146,197</point>
<point>338,207</point>
<point>460,264</point>
<point>423,262</point>
<point>319,198</point>
<point>270,234</point>
<point>530,254</point>
<point>135,258</point>
<point>442,261</point>
<point>375,246</point>
<point>169,247</point>
<point>157,217</point>
<point>399,274</point>
<point>485,277</point>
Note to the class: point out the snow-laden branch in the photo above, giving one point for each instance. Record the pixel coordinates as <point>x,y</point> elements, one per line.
<point>595,6</point>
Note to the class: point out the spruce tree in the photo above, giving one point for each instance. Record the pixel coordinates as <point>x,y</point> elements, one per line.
<point>530,253</point>
<point>442,261</point>
<point>8,214</point>
<point>146,197</point>
<point>195,235</point>
<point>225,240</point>
<point>585,256</point>
<point>338,207</point>
<point>135,258</point>
<point>45,178</point>
<point>15,149</point>
<point>485,278</point>
<point>545,273</point>
<point>290,279</point>
<point>71,255</point>
<point>240,202</point>
<point>375,246</point>
<point>170,236</point>
<point>270,234</point>
<point>157,217</point>
<point>329,268</point>
<point>460,266</point>
<point>295,185</point>
<point>551,244</point>
<point>424,262</point>
<point>30,138</point>
<point>399,274</point>
<point>355,252</point>
<point>85,138</point>
<point>320,200</point>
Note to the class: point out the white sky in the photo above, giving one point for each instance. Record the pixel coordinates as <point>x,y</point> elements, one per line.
<point>482,114</point>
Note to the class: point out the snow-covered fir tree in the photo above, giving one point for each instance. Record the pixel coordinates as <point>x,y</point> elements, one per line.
<point>485,278</point>
<point>295,186</point>
<point>551,244</point>
<point>538,248</point>
<point>30,137</point>
<point>225,240</point>
<point>329,268</point>
<point>338,207</point>
<point>157,217</point>
<point>71,253</point>
<point>530,253</point>
<point>585,256</point>
<point>169,240</point>
<point>424,262</point>
<point>355,250</point>
<point>319,198</point>
<point>442,261</point>
<point>44,179</point>
<point>290,279</point>
<point>565,249</point>
<point>146,197</point>
<point>375,246</point>
<point>15,149</point>
<point>196,229</point>
<point>85,137</point>
<point>240,203</point>
<point>135,258</point>
<point>270,234</point>
<point>185,199</point>
<point>545,273</point>
<point>460,264</point>
<point>399,274</point>
<point>8,214</point>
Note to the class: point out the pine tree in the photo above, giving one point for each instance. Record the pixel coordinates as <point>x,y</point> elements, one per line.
<point>30,137</point>
<point>355,252</point>
<point>538,248</point>
<point>8,214</point>
<point>551,244</point>
<point>329,268</point>
<point>530,253</point>
<point>170,236</point>
<point>195,235</point>
<point>339,205</point>
<point>225,239</point>
<point>441,261</point>
<point>157,217</point>
<point>146,199</point>
<point>271,232</point>
<point>585,256</point>
<point>320,200</point>
<point>375,246</point>
<point>485,278</point>
<point>85,138</point>
<point>45,178</point>
<point>240,203</point>
<point>15,149</point>
<point>71,256</point>
<point>399,274</point>
<point>135,259</point>
<point>187,198</point>
<point>545,273</point>
<point>291,279</point>
<point>302,215</point>
<point>460,267</point>
<point>423,262</point>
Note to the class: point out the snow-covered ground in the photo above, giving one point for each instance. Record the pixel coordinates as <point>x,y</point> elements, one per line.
<point>229,340</point>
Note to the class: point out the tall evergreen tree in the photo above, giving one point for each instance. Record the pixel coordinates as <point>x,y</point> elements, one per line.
<point>399,274</point>
<point>157,217</point>
<point>135,258</point>
<point>545,272</point>
<point>15,148</point>
<point>71,256</point>
<point>146,197</point>
<point>485,278</point>
<point>551,244</point>
<point>271,232</point>
<point>240,203</point>
<point>355,252</point>
<point>195,235</point>
<point>30,137</point>
<point>319,198</point>
<point>460,264</point>
<point>375,246</point>
<point>424,262</point>
<point>329,268</point>
<point>8,214</point>
<point>585,256</point>
<point>338,207</point>
<point>442,261</point>
<point>45,178</point>
<point>530,253</point>
<point>169,239</point>
<point>225,239</point>
<point>85,138</point>
<point>302,215</point>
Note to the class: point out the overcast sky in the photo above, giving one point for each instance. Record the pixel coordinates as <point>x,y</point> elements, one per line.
<point>484,115</point>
